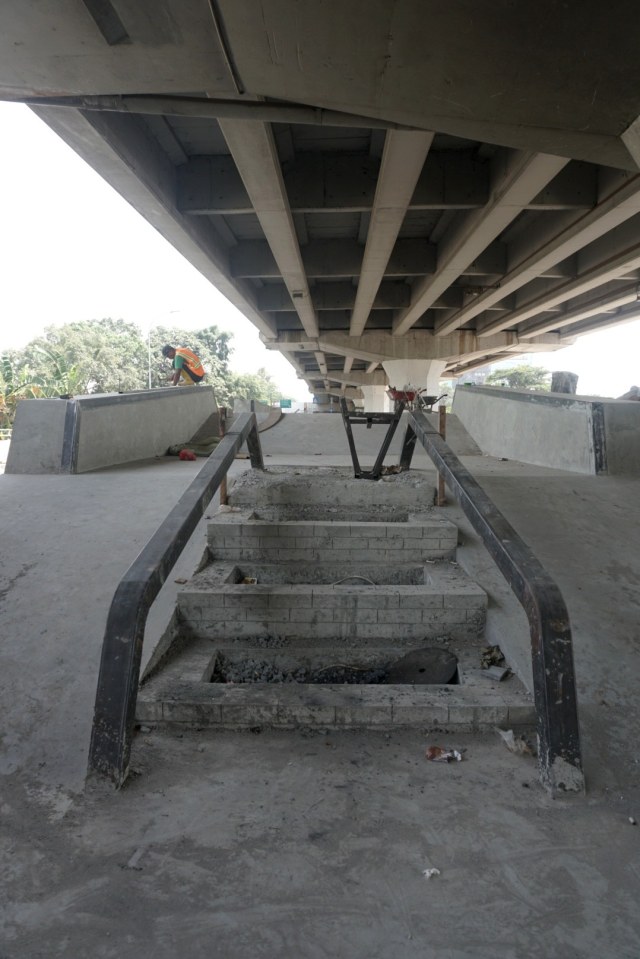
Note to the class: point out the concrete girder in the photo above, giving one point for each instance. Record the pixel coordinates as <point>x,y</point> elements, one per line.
<point>146,178</point>
<point>485,93</point>
<point>612,299</point>
<point>349,392</point>
<point>254,151</point>
<point>321,361</point>
<point>335,259</point>
<point>613,209</point>
<point>377,347</point>
<point>613,267</point>
<point>517,179</point>
<point>360,378</point>
<point>618,317</point>
<point>338,183</point>
<point>332,259</point>
<point>391,295</point>
<point>403,158</point>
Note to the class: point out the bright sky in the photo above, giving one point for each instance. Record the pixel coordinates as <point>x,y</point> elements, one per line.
<point>72,249</point>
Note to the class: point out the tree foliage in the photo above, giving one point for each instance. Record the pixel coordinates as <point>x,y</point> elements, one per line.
<point>522,377</point>
<point>256,386</point>
<point>110,356</point>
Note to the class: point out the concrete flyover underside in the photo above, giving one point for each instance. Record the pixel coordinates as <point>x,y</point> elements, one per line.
<point>368,183</point>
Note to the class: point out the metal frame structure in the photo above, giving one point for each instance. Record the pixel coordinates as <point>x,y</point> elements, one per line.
<point>389,419</point>
<point>116,695</point>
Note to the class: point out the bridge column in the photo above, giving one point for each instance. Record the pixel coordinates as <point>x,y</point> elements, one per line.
<point>420,374</point>
<point>375,399</point>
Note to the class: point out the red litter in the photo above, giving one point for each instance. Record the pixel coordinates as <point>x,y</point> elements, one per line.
<point>436,754</point>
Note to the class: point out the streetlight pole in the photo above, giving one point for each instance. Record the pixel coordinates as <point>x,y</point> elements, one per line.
<point>149,357</point>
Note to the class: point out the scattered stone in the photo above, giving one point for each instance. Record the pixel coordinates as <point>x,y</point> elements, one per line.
<point>496,672</point>
<point>491,656</point>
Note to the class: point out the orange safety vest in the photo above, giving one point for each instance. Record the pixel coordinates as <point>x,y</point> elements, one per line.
<point>191,360</point>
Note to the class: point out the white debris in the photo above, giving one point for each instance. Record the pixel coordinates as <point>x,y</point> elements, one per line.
<point>430,873</point>
<point>517,744</point>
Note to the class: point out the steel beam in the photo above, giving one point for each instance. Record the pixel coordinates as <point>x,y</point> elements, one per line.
<point>116,695</point>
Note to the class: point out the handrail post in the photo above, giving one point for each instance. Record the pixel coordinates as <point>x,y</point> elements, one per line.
<point>442,429</point>
<point>554,686</point>
<point>117,691</point>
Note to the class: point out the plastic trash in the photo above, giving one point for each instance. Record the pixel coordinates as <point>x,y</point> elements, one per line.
<point>436,754</point>
<point>516,744</point>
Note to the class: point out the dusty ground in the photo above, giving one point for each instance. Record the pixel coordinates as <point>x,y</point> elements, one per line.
<point>279,844</point>
<point>283,844</point>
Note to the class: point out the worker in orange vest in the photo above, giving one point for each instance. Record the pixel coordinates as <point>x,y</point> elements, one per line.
<point>186,364</point>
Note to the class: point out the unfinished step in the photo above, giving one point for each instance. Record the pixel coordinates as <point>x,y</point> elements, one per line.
<point>311,603</point>
<point>183,694</point>
<point>301,489</point>
<point>424,537</point>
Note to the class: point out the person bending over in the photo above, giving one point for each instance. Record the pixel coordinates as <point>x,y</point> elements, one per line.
<point>185,363</point>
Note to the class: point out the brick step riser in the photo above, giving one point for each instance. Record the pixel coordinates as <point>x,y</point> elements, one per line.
<point>293,706</point>
<point>462,625</point>
<point>332,542</point>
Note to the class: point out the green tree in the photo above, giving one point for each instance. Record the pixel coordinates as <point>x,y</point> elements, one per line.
<point>256,386</point>
<point>212,345</point>
<point>522,377</point>
<point>108,356</point>
<point>15,384</point>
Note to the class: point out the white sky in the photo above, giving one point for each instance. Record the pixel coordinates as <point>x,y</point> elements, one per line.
<point>72,249</point>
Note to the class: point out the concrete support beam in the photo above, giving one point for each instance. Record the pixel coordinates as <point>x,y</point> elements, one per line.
<point>375,399</point>
<point>614,298</point>
<point>334,296</point>
<point>378,347</point>
<point>321,361</point>
<point>613,209</point>
<point>421,374</point>
<point>254,152</point>
<point>339,183</point>
<point>361,378</point>
<point>144,175</point>
<point>615,266</point>
<point>516,180</point>
<point>402,162</point>
<point>322,259</point>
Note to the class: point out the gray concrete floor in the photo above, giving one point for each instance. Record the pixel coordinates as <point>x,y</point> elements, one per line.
<point>307,845</point>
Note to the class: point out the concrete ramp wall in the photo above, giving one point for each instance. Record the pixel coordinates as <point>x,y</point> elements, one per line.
<point>581,434</point>
<point>93,432</point>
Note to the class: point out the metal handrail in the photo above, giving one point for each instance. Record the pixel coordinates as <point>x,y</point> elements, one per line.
<point>554,684</point>
<point>117,692</point>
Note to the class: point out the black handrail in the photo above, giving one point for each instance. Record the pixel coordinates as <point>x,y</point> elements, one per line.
<point>554,684</point>
<point>117,692</point>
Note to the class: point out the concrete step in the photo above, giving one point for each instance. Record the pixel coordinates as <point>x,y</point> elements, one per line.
<point>182,695</point>
<point>315,575</point>
<point>317,606</point>
<point>237,537</point>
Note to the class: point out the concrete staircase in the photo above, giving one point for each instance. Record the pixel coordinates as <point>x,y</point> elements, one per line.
<point>313,591</point>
